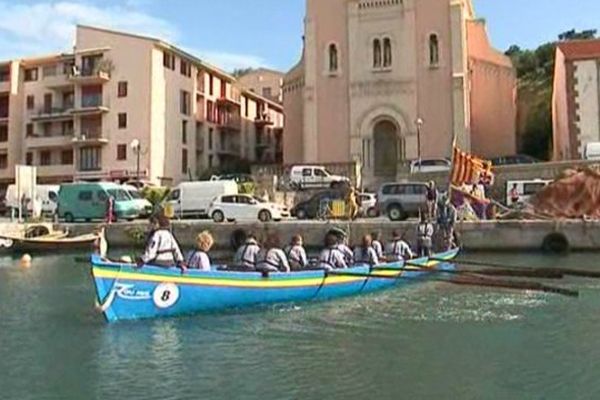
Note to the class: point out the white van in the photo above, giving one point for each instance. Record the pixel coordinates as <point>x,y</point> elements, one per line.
<point>192,199</point>
<point>525,190</point>
<point>313,176</point>
<point>592,151</point>
<point>143,205</point>
<point>48,195</point>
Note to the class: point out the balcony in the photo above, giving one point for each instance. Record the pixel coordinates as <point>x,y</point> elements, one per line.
<point>53,113</point>
<point>91,104</point>
<point>89,75</point>
<point>44,142</point>
<point>230,123</point>
<point>90,138</point>
<point>55,170</point>
<point>230,98</point>
<point>229,149</point>
<point>263,120</point>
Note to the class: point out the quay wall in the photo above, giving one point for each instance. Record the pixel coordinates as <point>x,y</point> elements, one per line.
<point>475,236</point>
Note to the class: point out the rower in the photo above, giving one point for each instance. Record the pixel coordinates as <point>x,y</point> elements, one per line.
<point>199,259</point>
<point>342,245</point>
<point>377,245</point>
<point>446,221</point>
<point>296,254</point>
<point>398,249</point>
<point>331,257</point>
<point>274,258</point>
<point>424,236</point>
<point>247,255</point>
<point>366,253</point>
<point>162,249</point>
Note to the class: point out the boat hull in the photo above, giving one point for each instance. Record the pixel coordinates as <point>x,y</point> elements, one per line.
<point>12,245</point>
<point>126,293</point>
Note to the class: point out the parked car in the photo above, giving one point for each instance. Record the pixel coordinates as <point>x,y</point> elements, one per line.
<point>88,201</point>
<point>526,189</point>
<point>245,207</point>
<point>314,176</point>
<point>192,199</point>
<point>592,151</point>
<point>430,165</point>
<point>401,200</point>
<point>514,160</point>
<point>144,206</point>
<point>367,205</point>
<point>309,209</point>
<point>141,184</point>
<point>48,194</point>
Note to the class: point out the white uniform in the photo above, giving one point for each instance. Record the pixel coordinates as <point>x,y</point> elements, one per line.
<point>296,254</point>
<point>378,248</point>
<point>398,250</point>
<point>162,249</point>
<point>365,256</point>
<point>274,260</point>
<point>247,254</point>
<point>332,258</point>
<point>199,260</point>
<point>346,253</point>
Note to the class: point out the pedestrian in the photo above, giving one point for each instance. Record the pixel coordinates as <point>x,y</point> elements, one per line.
<point>110,209</point>
<point>447,216</point>
<point>352,203</point>
<point>432,198</point>
<point>425,232</point>
<point>514,195</point>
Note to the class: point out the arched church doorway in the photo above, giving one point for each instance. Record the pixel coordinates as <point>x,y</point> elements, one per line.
<point>386,149</point>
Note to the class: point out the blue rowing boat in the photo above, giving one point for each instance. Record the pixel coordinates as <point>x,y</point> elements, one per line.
<point>125,292</point>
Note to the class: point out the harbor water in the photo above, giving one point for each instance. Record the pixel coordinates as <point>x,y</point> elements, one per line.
<point>428,341</point>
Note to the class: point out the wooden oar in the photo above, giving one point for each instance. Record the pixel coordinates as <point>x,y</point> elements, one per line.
<point>514,272</point>
<point>472,281</point>
<point>544,270</point>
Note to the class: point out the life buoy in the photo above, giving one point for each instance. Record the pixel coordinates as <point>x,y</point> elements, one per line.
<point>556,243</point>
<point>238,238</point>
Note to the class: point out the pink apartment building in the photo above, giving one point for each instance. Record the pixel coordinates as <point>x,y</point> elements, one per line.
<point>78,116</point>
<point>576,98</point>
<point>376,73</point>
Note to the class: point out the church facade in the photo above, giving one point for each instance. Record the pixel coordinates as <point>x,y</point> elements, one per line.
<point>387,81</point>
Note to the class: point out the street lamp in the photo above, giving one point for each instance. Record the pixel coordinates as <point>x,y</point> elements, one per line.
<point>136,147</point>
<point>419,122</point>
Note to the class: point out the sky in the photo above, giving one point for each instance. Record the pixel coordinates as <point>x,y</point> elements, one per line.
<point>249,33</point>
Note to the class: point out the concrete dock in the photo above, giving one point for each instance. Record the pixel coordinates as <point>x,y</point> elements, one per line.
<point>475,236</point>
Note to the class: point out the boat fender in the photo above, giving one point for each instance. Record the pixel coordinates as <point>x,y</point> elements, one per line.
<point>237,239</point>
<point>555,243</point>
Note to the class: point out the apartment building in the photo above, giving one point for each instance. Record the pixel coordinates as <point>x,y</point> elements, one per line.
<point>266,82</point>
<point>123,105</point>
<point>576,98</point>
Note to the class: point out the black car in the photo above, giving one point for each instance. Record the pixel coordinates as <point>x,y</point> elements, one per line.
<point>309,209</point>
<point>514,160</point>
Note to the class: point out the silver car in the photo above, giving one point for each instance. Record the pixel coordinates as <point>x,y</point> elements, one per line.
<point>401,200</point>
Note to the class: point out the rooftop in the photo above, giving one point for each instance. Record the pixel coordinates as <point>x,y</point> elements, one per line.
<point>580,49</point>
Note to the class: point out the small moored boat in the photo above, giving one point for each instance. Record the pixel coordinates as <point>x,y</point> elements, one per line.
<point>125,292</point>
<point>44,238</point>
